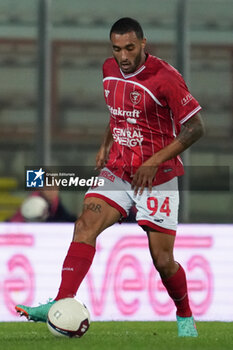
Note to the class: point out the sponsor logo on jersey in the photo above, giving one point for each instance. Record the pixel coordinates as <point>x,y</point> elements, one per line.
<point>131,120</point>
<point>186,99</point>
<point>167,170</point>
<point>126,137</point>
<point>122,113</point>
<point>135,97</point>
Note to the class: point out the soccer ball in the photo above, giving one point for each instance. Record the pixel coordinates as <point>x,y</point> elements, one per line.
<point>35,209</point>
<point>68,318</point>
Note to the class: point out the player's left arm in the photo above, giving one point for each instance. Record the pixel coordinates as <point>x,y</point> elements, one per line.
<point>191,131</point>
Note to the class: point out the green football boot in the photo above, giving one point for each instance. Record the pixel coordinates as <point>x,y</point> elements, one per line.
<point>186,327</point>
<point>37,314</point>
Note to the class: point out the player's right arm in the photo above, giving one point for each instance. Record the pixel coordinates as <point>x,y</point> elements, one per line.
<point>102,155</point>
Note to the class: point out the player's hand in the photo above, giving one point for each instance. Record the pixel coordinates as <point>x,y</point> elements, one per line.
<point>101,158</point>
<point>144,177</point>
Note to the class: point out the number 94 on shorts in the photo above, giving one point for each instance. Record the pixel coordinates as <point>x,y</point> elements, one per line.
<point>157,209</point>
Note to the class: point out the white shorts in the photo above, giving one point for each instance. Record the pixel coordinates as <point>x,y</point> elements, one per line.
<point>157,209</point>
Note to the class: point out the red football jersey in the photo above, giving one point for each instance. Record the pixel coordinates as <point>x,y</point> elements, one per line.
<point>146,108</point>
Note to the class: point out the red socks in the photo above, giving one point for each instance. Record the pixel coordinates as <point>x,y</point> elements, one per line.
<point>75,267</point>
<point>79,259</point>
<point>176,286</point>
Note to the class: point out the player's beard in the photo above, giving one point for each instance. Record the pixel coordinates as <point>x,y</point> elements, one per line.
<point>132,66</point>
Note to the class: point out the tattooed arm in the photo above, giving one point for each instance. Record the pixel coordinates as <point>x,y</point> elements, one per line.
<point>190,132</point>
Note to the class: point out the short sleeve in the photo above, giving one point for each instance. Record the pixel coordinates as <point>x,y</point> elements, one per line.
<point>104,70</point>
<point>177,96</point>
<point>108,67</point>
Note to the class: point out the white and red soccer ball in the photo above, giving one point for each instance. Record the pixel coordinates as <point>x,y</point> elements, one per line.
<point>68,318</point>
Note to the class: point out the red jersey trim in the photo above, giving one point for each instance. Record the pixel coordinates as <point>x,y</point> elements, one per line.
<point>135,83</point>
<point>109,201</point>
<point>156,227</point>
<point>182,121</point>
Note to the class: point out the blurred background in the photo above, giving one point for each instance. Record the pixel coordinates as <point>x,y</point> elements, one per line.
<point>52,110</point>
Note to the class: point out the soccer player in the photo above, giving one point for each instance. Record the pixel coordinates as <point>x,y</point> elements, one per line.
<point>153,118</point>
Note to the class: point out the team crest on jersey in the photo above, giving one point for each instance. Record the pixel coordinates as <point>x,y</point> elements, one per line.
<point>135,97</point>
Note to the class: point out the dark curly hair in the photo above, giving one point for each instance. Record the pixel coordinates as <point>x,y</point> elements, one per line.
<point>126,25</point>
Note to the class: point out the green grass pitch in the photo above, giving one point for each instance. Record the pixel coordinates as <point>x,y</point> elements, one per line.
<point>117,335</point>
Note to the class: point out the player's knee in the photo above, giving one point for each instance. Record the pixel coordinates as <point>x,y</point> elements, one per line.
<point>162,262</point>
<point>80,226</point>
<point>82,230</point>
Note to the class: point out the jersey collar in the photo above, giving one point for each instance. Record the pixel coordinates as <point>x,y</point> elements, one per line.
<point>139,70</point>
<point>127,76</point>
